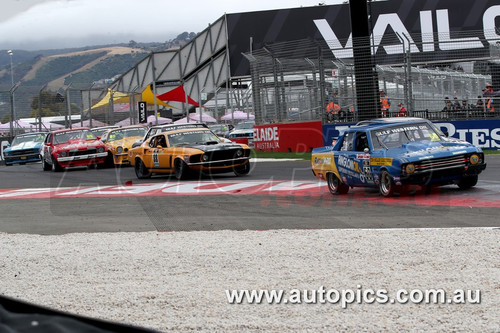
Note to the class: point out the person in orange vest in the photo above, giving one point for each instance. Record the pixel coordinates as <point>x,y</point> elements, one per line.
<point>488,92</point>
<point>385,103</point>
<point>333,110</point>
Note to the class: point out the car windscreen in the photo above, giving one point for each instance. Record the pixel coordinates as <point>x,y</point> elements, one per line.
<point>245,126</point>
<point>398,135</point>
<point>192,138</point>
<point>64,137</point>
<point>28,138</point>
<point>126,133</point>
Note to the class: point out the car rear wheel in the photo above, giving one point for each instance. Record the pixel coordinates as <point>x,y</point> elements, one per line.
<point>140,170</point>
<point>46,166</point>
<point>386,184</point>
<point>467,182</point>
<point>181,169</point>
<point>56,167</point>
<point>335,186</point>
<point>242,170</point>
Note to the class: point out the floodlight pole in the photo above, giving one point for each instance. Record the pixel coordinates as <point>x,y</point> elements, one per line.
<point>68,107</point>
<point>40,107</point>
<point>11,96</point>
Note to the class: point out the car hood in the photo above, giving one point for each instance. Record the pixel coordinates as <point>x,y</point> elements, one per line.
<point>215,147</point>
<point>418,150</point>
<point>126,142</point>
<point>24,145</point>
<point>79,144</point>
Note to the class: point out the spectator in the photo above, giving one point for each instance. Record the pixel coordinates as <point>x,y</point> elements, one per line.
<point>456,104</point>
<point>385,103</point>
<point>402,111</point>
<point>479,106</point>
<point>448,108</point>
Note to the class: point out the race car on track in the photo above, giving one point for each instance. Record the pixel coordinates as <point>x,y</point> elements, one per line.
<point>391,154</point>
<point>72,147</point>
<point>186,149</point>
<point>24,148</point>
<point>118,142</point>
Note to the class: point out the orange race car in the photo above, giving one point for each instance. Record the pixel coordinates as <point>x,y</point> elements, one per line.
<point>184,150</point>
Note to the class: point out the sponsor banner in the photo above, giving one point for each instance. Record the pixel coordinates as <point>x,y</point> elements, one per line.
<point>482,133</point>
<point>437,30</point>
<point>291,137</point>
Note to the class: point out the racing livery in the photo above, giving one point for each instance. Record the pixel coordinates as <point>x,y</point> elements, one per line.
<point>183,150</point>
<point>24,148</point>
<point>118,142</point>
<point>393,153</point>
<point>72,147</point>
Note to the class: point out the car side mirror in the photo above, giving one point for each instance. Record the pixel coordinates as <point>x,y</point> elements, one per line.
<point>366,150</point>
<point>159,147</point>
<point>48,144</point>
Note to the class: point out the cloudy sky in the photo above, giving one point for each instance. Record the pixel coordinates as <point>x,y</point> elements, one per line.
<point>47,24</point>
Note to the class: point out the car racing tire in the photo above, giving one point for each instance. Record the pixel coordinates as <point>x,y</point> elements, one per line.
<point>467,182</point>
<point>386,185</point>
<point>46,166</point>
<point>242,170</point>
<point>140,170</point>
<point>180,169</point>
<point>335,186</point>
<point>56,167</point>
<point>109,161</point>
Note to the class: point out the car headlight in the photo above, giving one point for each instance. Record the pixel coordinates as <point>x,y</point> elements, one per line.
<point>204,158</point>
<point>119,150</point>
<point>239,153</point>
<point>474,159</point>
<point>7,153</point>
<point>410,168</point>
<point>63,153</point>
<point>100,149</point>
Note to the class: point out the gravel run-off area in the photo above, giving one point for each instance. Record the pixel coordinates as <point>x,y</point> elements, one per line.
<point>178,280</point>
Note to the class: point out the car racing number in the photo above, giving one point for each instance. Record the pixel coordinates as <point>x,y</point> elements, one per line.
<point>156,159</point>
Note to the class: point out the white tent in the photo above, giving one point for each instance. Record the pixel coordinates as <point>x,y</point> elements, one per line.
<point>195,118</point>
<point>238,115</point>
<point>161,120</point>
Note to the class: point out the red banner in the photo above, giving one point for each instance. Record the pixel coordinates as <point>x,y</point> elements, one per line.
<point>291,137</point>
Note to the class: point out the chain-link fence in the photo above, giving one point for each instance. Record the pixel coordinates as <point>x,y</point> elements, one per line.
<point>438,77</point>
<point>66,107</point>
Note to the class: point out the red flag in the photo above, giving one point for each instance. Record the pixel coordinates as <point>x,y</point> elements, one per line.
<point>177,95</point>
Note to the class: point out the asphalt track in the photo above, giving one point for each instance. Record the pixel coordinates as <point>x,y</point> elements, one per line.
<point>275,195</point>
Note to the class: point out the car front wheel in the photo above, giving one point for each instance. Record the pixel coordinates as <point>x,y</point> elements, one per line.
<point>386,185</point>
<point>242,170</point>
<point>56,167</point>
<point>140,170</point>
<point>181,169</point>
<point>335,186</point>
<point>467,182</point>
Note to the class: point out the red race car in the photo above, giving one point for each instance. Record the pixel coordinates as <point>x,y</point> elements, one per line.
<point>72,147</point>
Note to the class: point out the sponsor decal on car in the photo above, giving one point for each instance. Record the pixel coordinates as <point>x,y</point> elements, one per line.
<point>381,161</point>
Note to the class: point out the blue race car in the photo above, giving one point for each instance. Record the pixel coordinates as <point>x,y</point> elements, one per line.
<point>24,148</point>
<point>392,153</point>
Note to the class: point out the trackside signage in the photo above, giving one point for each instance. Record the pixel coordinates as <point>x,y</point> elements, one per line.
<point>291,137</point>
<point>482,133</point>
<point>436,30</point>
